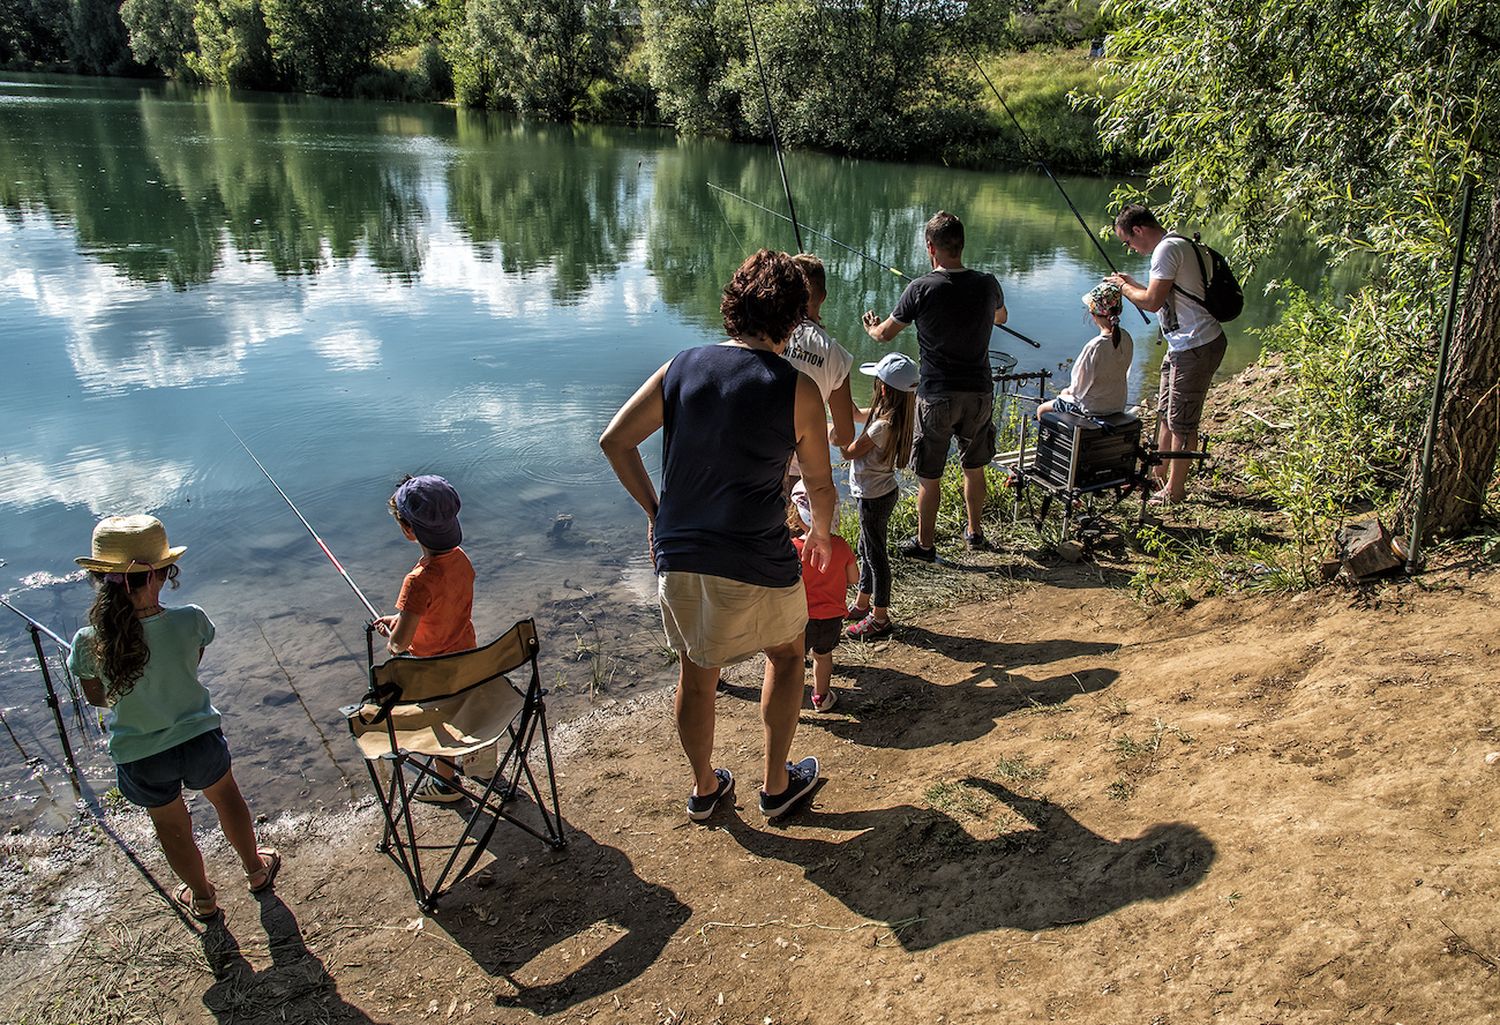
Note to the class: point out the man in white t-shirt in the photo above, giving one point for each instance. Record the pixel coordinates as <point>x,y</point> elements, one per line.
<point>1195,340</point>
<point>812,351</point>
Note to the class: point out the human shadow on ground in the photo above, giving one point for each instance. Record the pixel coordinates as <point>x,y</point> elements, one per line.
<point>891,708</point>
<point>295,989</point>
<point>531,898</point>
<point>920,871</point>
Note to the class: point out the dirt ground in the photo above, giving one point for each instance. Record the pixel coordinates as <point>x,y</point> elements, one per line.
<point>1056,805</point>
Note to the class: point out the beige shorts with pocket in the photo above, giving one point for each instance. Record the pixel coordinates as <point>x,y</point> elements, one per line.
<point>715,621</point>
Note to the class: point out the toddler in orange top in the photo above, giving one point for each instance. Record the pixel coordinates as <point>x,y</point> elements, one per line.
<point>435,611</point>
<point>827,600</point>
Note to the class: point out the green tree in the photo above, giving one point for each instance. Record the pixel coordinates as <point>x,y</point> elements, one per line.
<point>537,57</point>
<point>95,38</point>
<point>234,47</point>
<point>161,33</point>
<point>30,32</point>
<point>885,78</point>
<point>325,45</point>
<point>1360,118</point>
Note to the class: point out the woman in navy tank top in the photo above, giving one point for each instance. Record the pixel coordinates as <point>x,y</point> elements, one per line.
<point>729,580</point>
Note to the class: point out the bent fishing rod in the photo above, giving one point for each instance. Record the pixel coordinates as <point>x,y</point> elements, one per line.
<point>859,253</point>
<point>293,506</point>
<point>1036,155</point>
<point>765,89</point>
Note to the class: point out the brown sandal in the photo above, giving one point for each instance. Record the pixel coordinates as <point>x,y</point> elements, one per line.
<point>202,910</point>
<point>270,864</point>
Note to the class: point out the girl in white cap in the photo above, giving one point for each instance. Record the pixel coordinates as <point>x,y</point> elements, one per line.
<point>883,445</point>
<point>139,660</point>
<point>1097,387</point>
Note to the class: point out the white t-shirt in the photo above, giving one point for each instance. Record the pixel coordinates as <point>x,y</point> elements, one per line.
<point>1184,323</point>
<point>812,351</point>
<point>873,475</point>
<point>1099,375</point>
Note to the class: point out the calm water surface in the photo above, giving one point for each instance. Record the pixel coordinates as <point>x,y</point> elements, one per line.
<point>365,290</point>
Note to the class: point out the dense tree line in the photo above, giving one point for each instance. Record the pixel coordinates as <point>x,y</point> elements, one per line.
<point>880,77</point>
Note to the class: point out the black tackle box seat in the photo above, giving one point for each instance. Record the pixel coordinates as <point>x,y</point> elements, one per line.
<point>1105,456</point>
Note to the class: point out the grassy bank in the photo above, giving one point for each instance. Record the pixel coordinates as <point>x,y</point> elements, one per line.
<point>1038,86</point>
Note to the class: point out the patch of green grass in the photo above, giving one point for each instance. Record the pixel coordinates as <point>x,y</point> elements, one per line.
<point>1019,769</point>
<point>1120,789</point>
<point>957,799</point>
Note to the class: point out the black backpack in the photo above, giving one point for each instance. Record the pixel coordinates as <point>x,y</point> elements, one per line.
<point>1223,298</point>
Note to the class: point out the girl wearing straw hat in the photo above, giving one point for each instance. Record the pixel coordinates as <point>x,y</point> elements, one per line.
<point>140,660</point>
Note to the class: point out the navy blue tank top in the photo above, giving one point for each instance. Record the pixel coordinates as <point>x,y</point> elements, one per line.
<point>728,431</point>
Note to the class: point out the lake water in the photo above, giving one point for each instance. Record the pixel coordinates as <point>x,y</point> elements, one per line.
<point>365,290</point>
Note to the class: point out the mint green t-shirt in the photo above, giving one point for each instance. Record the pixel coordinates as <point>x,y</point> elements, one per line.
<point>167,705</point>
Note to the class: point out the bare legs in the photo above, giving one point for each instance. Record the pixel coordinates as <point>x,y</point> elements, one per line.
<point>696,689</point>
<point>929,497</point>
<point>780,705</point>
<point>174,831</point>
<point>823,666</point>
<point>974,495</point>
<point>1174,474</point>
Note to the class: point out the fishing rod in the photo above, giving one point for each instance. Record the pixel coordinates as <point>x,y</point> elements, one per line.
<point>36,630</point>
<point>859,253</point>
<point>775,136</point>
<point>293,506</point>
<point>1037,156</point>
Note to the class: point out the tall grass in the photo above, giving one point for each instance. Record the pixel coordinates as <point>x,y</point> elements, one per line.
<point>1048,92</point>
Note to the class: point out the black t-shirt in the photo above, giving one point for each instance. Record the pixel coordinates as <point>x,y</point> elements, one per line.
<point>954,312</point>
<point>729,419</point>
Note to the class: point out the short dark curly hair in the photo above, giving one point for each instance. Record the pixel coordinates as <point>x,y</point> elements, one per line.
<point>767,296</point>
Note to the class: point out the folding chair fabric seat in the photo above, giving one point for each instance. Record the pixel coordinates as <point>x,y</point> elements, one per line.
<point>449,706</point>
<point>444,727</point>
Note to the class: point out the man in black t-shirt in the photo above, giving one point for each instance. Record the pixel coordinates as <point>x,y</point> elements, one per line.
<point>954,309</point>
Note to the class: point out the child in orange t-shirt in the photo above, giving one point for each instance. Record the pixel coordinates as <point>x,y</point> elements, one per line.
<point>827,601</point>
<point>436,607</point>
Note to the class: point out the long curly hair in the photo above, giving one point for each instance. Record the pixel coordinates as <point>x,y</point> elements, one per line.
<point>119,639</point>
<point>767,296</point>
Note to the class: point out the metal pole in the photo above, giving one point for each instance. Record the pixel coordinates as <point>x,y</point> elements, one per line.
<point>1413,558</point>
<point>62,730</point>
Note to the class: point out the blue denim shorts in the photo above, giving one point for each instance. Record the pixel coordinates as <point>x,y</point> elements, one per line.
<point>157,780</point>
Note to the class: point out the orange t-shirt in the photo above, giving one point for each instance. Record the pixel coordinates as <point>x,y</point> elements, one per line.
<point>828,591</point>
<point>440,589</point>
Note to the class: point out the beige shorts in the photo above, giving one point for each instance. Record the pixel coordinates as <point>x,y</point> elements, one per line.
<point>714,621</point>
<point>1185,377</point>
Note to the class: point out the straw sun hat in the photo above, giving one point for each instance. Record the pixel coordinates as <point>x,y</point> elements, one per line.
<point>130,544</point>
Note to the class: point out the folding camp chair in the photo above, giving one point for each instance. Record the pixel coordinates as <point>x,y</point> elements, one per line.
<point>450,706</point>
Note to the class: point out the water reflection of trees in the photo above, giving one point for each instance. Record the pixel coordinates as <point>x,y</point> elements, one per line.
<point>156,182</point>
<point>558,197</point>
<point>1018,225</point>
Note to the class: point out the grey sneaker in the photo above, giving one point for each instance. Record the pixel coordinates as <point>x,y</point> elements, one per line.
<point>700,807</point>
<point>976,542</point>
<point>801,777</point>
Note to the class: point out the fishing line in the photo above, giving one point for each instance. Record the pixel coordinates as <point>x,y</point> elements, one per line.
<point>1037,156</point>
<point>725,213</point>
<point>327,747</point>
<point>775,136</point>
<point>293,506</point>
<point>859,253</point>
